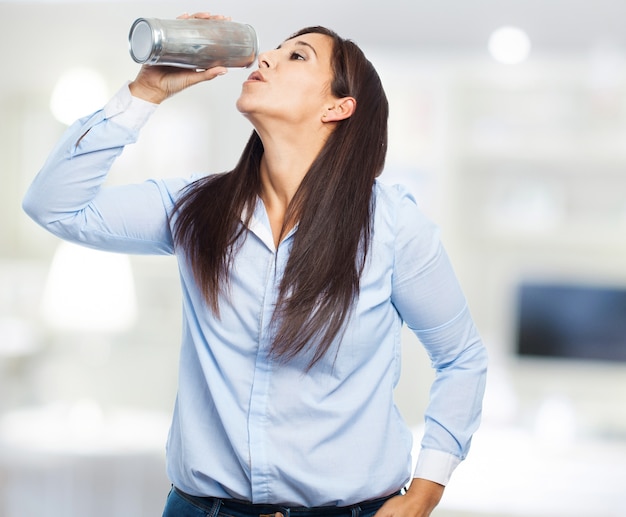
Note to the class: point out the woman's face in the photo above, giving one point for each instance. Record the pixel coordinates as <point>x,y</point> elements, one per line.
<point>292,82</point>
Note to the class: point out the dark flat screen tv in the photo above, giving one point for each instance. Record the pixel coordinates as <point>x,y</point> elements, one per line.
<point>571,321</point>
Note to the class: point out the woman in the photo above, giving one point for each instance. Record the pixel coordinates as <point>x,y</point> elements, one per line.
<point>298,270</point>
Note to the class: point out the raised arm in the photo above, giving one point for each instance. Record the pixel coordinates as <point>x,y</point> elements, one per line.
<point>68,198</point>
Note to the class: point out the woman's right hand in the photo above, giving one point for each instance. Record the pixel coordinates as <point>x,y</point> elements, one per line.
<point>157,83</point>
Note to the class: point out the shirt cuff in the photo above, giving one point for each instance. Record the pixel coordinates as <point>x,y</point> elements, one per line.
<point>436,466</point>
<point>128,111</point>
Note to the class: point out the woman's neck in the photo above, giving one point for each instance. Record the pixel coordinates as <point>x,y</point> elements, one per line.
<point>284,165</point>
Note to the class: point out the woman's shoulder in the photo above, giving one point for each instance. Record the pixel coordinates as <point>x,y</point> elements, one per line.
<point>397,208</point>
<point>395,200</point>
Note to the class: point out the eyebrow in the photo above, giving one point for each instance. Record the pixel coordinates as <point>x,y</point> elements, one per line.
<point>302,44</point>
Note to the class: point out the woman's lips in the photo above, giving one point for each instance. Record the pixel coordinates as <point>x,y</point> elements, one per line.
<point>256,76</point>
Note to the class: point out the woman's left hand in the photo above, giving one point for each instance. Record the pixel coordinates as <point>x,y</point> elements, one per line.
<point>419,501</point>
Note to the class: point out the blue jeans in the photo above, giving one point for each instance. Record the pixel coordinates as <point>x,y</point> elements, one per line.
<point>180,504</point>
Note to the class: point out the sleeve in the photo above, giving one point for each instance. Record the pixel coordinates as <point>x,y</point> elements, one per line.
<point>67,197</point>
<point>430,301</point>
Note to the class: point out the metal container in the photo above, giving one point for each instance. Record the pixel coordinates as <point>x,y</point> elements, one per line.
<point>193,43</point>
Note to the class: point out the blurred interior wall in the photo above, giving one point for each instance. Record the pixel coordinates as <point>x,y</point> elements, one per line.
<point>521,166</point>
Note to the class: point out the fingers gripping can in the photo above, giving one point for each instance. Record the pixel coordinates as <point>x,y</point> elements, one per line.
<point>193,43</point>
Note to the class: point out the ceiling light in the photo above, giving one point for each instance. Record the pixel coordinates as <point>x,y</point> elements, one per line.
<point>509,45</point>
<point>78,92</point>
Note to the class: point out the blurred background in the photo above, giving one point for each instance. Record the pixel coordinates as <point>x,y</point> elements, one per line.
<point>508,123</point>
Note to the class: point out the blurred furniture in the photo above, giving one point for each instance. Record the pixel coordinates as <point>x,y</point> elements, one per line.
<point>78,461</point>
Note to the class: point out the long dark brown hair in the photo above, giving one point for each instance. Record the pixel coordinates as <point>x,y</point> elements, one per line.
<point>333,208</point>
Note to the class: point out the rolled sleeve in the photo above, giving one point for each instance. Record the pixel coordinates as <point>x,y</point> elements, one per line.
<point>436,466</point>
<point>126,110</point>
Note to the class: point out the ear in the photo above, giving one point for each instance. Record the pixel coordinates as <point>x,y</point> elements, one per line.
<point>340,110</point>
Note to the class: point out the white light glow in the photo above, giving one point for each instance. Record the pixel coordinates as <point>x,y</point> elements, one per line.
<point>83,427</point>
<point>556,423</point>
<point>17,338</point>
<point>78,92</point>
<point>509,45</point>
<point>89,291</point>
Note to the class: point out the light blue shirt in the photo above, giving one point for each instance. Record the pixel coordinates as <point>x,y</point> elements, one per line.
<point>245,426</point>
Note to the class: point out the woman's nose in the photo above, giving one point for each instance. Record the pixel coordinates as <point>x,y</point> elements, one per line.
<point>265,60</point>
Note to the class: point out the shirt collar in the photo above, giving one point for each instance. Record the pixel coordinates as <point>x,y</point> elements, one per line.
<point>260,226</point>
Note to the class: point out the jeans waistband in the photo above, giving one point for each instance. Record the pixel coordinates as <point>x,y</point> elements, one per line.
<point>269,510</point>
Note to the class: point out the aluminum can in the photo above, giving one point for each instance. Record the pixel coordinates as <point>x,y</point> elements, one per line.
<point>193,43</point>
